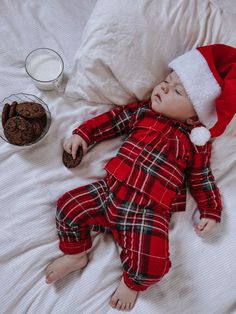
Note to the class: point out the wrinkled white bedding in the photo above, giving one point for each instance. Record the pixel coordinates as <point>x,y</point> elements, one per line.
<point>120,57</point>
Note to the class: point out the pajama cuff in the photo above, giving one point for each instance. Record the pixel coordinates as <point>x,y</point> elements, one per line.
<point>213,216</point>
<point>84,133</point>
<point>130,283</point>
<point>75,248</point>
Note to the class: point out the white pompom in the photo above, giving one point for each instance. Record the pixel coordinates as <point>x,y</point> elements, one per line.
<point>200,136</point>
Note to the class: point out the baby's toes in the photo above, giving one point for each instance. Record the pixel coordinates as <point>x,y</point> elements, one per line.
<point>49,274</point>
<point>129,306</point>
<point>119,305</point>
<point>113,301</point>
<point>124,307</point>
<point>50,277</point>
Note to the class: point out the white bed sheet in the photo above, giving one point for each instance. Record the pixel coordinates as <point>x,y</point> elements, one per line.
<point>202,278</point>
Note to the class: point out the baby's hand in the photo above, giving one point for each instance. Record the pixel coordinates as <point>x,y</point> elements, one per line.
<point>204,226</point>
<point>72,143</point>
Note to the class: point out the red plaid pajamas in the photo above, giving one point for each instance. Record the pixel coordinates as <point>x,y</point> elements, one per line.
<point>147,180</point>
<point>138,224</point>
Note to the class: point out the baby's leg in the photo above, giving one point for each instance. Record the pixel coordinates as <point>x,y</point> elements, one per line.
<point>142,234</point>
<point>141,270</point>
<point>78,211</point>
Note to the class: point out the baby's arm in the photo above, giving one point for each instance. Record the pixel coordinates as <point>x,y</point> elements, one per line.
<point>108,125</point>
<point>203,188</point>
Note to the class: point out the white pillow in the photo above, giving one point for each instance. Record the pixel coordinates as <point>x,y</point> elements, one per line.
<point>128,44</point>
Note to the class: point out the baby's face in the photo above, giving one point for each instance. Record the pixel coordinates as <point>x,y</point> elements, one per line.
<point>170,99</point>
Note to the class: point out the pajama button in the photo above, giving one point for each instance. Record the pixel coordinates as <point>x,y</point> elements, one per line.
<point>149,148</point>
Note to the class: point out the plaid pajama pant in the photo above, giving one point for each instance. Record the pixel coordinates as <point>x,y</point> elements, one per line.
<point>139,226</point>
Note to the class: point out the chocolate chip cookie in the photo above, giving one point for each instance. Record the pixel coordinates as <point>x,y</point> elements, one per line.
<point>30,110</point>
<point>68,160</point>
<point>5,114</point>
<point>18,131</point>
<point>37,126</point>
<point>43,120</point>
<point>12,111</point>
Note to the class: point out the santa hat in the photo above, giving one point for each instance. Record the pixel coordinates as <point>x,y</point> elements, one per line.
<point>208,74</point>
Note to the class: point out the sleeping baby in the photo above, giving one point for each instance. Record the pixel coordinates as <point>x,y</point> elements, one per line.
<point>167,148</point>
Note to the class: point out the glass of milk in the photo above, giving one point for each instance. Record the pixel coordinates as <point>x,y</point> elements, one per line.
<point>45,67</point>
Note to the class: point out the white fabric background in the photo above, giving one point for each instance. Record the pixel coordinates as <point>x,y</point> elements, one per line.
<point>120,57</point>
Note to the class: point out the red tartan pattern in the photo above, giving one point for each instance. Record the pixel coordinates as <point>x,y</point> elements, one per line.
<point>147,180</point>
<point>157,157</point>
<point>138,224</point>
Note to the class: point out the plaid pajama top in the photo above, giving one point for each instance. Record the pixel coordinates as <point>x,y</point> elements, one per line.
<point>157,157</point>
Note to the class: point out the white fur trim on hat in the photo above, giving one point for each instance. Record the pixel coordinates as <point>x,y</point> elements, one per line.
<point>199,83</point>
<point>200,136</point>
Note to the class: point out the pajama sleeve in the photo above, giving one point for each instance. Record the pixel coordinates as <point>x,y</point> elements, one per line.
<point>107,125</point>
<point>202,184</point>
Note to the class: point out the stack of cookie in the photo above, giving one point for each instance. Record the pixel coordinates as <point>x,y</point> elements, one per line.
<point>23,123</point>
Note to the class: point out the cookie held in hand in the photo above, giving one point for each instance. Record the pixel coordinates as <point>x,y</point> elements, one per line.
<point>68,160</point>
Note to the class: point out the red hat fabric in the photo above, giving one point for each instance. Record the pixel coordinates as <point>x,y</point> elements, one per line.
<point>208,74</point>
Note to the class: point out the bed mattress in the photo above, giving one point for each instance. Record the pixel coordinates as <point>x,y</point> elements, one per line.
<point>112,56</point>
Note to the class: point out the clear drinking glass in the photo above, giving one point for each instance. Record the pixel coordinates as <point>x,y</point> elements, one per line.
<point>45,67</point>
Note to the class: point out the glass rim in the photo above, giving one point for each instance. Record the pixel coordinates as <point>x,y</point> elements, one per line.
<point>44,48</point>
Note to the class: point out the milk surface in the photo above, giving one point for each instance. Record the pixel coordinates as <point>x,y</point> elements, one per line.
<point>45,67</point>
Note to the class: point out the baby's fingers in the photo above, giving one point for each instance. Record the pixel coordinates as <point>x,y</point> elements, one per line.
<point>74,150</point>
<point>67,147</point>
<point>84,147</point>
<point>201,225</point>
<point>208,225</point>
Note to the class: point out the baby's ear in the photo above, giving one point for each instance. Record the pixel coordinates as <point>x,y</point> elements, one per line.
<point>193,121</point>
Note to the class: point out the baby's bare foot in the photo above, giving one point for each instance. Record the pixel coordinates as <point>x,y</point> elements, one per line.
<point>64,265</point>
<point>123,298</point>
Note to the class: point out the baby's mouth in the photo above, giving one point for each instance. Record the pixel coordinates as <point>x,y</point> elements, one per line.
<point>158,97</point>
